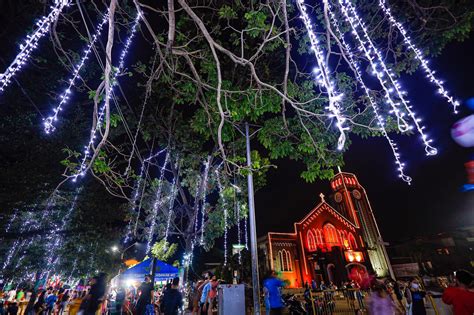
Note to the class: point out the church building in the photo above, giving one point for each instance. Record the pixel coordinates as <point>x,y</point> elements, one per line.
<point>337,241</point>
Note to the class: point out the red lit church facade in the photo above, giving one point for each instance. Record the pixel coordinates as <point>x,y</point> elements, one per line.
<point>338,240</point>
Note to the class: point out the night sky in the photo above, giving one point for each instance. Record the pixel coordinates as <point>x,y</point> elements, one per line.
<point>433,203</point>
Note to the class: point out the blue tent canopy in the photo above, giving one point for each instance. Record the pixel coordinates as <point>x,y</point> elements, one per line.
<point>138,272</point>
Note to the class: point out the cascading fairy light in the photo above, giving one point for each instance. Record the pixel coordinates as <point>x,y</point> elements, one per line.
<point>207,165</point>
<point>224,205</point>
<point>31,42</point>
<point>173,194</point>
<point>136,192</point>
<point>246,233</point>
<point>355,21</point>
<point>430,74</point>
<point>237,216</point>
<point>402,124</point>
<point>81,171</point>
<point>322,76</point>
<point>157,203</point>
<point>57,241</point>
<point>64,98</point>
<point>358,75</point>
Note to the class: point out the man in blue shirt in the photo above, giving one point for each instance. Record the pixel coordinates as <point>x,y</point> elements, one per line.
<point>204,301</point>
<point>273,285</point>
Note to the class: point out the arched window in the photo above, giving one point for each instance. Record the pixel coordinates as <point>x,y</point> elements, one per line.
<point>285,260</point>
<point>319,238</point>
<point>341,236</point>
<point>330,235</point>
<point>311,241</point>
<point>352,241</point>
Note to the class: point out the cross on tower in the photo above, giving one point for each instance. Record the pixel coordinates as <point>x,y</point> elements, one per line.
<point>322,197</point>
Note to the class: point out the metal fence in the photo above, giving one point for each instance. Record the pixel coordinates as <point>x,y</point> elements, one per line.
<point>346,301</point>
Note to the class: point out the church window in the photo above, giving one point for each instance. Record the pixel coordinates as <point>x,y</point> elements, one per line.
<point>285,260</point>
<point>352,241</point>
<point>319,238</point>
<point>311,241</point>
<point>330,234</point>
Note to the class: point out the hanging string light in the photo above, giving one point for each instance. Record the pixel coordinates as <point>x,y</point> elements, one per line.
<point>207,165</point>
<point>81,171</point>
<point>246,233</point>
<point>31,42</point>
<point>173,194</point>
<point>430,74</point>
<point>224,205</point>
<point>64,98</point>
<point>237,219</point>
<point>156,203</point>
<point>356,22</point>
<point>322,76</point>
<point>136,192</point>
<point>358,75</point>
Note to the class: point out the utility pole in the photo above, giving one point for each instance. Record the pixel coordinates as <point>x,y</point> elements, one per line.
<point>253,229</point>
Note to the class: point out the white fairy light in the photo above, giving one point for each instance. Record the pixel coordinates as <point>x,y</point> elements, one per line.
<point>246,233</point>
<point>31,43</point>
<point>322,77</point>
<point>156,203</point>
<point>81,171</point>
<point>224,205</point>
<point>173,193</point>
<point>237,215</point>
<point>430,74</point>
<point>49,121</point>
<point>358,75</point>
<point>136,192</point>
<point>355,21</point>
<point>207,165</point>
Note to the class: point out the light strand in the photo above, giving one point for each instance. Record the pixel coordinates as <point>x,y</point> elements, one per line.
<point>31,43</point>
<point>204,197</point>
<point>353,18</point>
<point>137,192</point>
<point>81,171</point>
<point>358,75</point>
<point>156,203</point>
<point>64,97</point>
<point>322,77</point>
<point>430,74</point>
<point>237,215</point>
<point>173,193</point>
<point>246,233</point>
<point>224,205</point>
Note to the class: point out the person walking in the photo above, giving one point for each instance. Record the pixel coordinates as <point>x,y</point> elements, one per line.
<point>63,302</point>
<point>146,292</point>
<point>94,298</point>
<point>379,302</point>
<point>212,294</point>
<point>461,296</point>
<point>120,299</point>
<point>172,299</point>
<point>273,285</point>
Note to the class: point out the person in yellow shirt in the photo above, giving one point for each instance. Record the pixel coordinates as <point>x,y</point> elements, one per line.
<point>76,303</point>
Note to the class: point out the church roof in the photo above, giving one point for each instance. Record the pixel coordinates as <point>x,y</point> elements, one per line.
<point>324,206</point>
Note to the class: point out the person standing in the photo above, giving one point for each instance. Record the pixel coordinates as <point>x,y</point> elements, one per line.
<point>204,301</point>
<point>212,294</point>
<point>145,291</point>
<point>96,294</point>
<point>63,302</point>
<point>172,299</point>
<point>273,285</point>
<point>120,299</point>
<point>418,298</point>
<point>50,301</point>
<point>461,296</point>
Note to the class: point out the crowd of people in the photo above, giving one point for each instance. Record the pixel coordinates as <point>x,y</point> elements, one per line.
<point>93,299</point>
<point>387,297</point>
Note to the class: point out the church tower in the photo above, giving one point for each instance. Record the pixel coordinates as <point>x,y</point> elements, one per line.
<point>351,200</point>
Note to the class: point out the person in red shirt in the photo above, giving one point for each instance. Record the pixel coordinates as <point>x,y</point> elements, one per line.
<point>461,297</point>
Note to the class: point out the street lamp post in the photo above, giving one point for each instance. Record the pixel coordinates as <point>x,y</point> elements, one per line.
<point>253,229</point>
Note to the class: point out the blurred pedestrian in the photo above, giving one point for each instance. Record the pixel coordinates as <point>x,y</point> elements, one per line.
<point>273,285</point>
<point>418,297</point>
<point>172,299</point>
<point>461,296</point>
<point>380,303</point>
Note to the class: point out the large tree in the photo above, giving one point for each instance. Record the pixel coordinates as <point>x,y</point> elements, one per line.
<point>196,72</point>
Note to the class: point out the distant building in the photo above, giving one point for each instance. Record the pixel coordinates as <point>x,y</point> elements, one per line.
<point>436,254</point>
<point>337,240</point>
